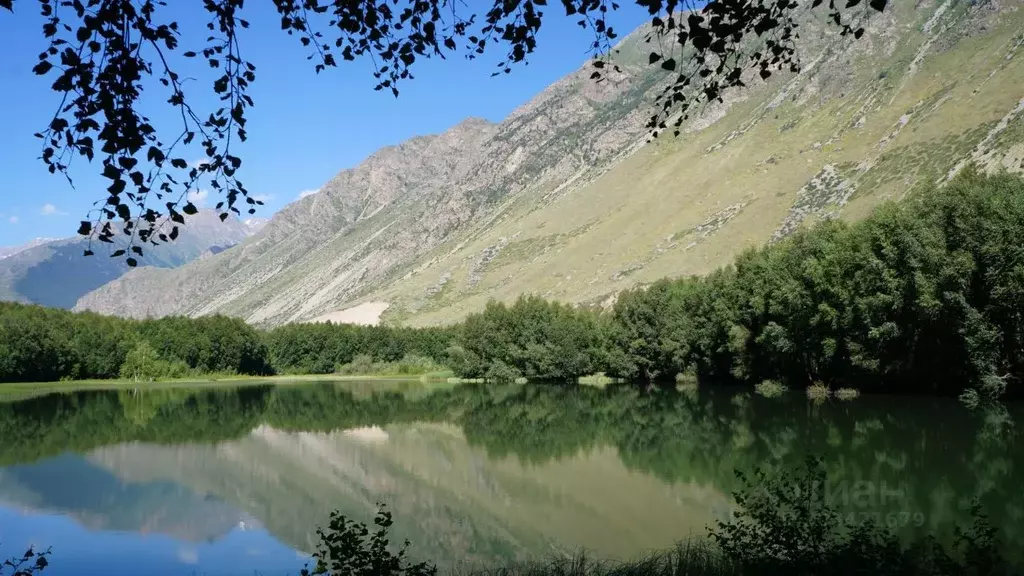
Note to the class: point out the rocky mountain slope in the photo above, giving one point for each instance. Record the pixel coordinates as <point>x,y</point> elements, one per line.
<point>562,198</point>
<point>54,272</point>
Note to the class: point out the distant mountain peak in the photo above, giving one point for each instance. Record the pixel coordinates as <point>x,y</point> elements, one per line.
<point>6,251</point>
<point>255,224</point>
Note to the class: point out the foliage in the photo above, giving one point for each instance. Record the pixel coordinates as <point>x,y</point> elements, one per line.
<point>847,393</point>
<point>321,348</point>
<point>770,388</point>
<point>40,344</point>
<point>408,365</point>
<point>785,525</point>
<point>30,563</point>
<point>922,296</point>
<point>143,364</point>
<point>534,338</point>
<point>103,55</point>
<point>818,391</point>
<point>347,548</point>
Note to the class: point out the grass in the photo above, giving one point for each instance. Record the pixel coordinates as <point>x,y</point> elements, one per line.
<point>409,365</point>
<point>818,392</point>
<point>770,389</point>
<point>596,380</point>
<point>847,393</point>
<point>22,390</point>
<point>692,557</point>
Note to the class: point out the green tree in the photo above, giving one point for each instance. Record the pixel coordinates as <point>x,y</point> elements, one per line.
<point>143,364</point>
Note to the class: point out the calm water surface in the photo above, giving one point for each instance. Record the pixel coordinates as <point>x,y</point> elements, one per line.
<point>236,481</point>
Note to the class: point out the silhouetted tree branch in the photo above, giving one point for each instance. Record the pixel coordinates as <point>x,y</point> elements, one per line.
<point>102,52</point>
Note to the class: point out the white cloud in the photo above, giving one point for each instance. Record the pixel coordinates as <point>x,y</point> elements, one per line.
<point>305,193</point>
<point>200,162</point>
<point>198,197</point>
<point>13,219</point>
<point>51,210</point>
<point>263,197</point>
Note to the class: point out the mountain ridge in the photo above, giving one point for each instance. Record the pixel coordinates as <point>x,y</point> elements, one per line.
<point>431,185</point>
<point>563,199</point>
<point>55,273</point>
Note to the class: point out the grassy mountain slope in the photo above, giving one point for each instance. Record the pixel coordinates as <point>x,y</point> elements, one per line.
<point>560,200</point>
<point>54,273</point>
<point>860,126</point>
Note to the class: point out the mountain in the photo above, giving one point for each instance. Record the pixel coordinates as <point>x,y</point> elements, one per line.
<point>55,273</point>
<point>6,251</point>
<point>255,224</point>
<point>102,501</point>
<point>563,199</point>
<point>468,507</point>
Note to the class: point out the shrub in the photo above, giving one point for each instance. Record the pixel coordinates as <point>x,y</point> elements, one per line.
<point>770,388</point>
<point>501,372</point>
<point>847,393</point>
<point>818,392</point>
<point>143,364</point>
<point>361,365</point>
<point>347,548</point>
<point>413,364</point>
<point>30,563</point>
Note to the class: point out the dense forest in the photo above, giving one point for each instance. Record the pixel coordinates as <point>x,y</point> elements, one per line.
<point>924,296</point>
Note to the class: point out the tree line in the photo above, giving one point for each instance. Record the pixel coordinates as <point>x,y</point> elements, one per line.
<point>924,296</point>
<point>40,344</point>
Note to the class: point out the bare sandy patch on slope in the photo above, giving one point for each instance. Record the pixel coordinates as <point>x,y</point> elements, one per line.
<point>365,314</point>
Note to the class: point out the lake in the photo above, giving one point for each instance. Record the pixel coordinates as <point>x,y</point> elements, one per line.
<point>236,481</point>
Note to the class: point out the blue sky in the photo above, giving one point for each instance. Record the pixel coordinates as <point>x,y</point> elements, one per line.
<point>304,128</point>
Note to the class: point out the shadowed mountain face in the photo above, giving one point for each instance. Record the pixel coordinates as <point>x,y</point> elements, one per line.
<point>55,272</point>
<point>563,200</point>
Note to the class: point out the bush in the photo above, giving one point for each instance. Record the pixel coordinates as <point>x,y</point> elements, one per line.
<point>785,525</point>
<point>30,563</point>
<point>347,548</point>
<point>361,365</point>
<point>770,388</point>
<point>143,364</point>
<point>818,392</point>
<point>498,371</point>
<point>412,364</point>
<point>847,393</point>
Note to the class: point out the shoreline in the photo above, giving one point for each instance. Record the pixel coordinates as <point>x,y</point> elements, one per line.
<point>24,390</point>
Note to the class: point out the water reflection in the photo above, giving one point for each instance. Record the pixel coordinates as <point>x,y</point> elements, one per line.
<point>475,474</point>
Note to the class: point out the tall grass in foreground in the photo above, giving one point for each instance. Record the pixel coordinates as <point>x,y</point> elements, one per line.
<point>686,559</point>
